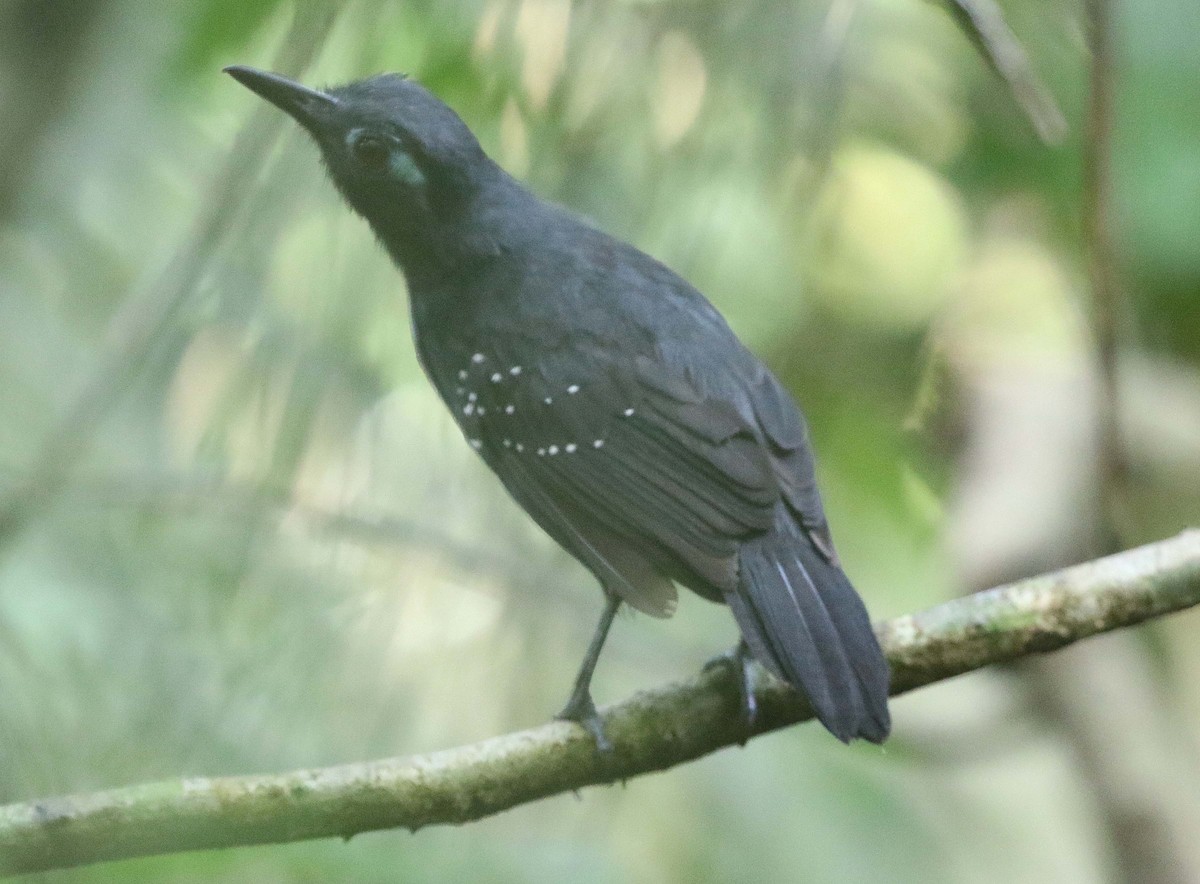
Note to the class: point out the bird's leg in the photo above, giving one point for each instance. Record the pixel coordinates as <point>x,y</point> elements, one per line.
<point>742,661</point>
<point>580,707</point>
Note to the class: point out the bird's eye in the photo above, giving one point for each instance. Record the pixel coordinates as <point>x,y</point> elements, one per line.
<point>372,152</point>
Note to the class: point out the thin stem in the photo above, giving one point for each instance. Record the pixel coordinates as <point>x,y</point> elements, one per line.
<point>983,20</point>
<point>1102,265</point>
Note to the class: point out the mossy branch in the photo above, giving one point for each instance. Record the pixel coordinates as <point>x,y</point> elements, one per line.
<point>650,732</point>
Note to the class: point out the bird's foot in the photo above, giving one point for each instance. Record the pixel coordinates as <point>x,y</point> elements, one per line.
<point>581,710</point>
<point>740,659</point>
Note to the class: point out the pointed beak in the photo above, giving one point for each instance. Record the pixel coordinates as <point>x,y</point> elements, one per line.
<point>309,107</point>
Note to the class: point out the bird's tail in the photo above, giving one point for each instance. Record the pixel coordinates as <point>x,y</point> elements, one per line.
<point>803,620</point>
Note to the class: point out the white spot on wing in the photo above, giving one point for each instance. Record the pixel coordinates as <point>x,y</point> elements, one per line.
<point>515,370</point>
<point>509,409</point>
<point>496,377</point>
<point>476,443</point>
<point>628,412</point>
<point>477,358</point>
<point>573,389</point>
<point>599,443</point>
<point>570,448</point>
<point>553,449</point>
<point>462,374</point>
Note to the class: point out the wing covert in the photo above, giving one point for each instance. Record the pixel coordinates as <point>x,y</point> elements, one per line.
<point>624,450</point>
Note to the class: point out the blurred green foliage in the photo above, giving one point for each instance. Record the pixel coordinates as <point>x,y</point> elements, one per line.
<point>277,552</point>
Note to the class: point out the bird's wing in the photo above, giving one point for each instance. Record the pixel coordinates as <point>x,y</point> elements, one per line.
<point>614,457</point>
<point>785,435</point>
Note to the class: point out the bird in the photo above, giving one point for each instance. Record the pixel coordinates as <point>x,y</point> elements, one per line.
<point>609,396</point>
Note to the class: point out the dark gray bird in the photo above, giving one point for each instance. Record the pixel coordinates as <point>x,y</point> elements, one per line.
<point>608,395</point>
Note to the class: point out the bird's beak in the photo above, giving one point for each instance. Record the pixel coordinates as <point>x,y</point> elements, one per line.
<point>309,107</point>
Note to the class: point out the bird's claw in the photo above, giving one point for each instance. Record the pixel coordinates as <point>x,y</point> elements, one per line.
<point>742,662</point>
<point>581,710</point>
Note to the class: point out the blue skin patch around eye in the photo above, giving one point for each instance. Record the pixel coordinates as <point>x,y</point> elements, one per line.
<point>400,164</point>
<point>405,168</point>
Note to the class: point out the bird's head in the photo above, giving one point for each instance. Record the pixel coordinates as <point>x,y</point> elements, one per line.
<point>403,159</point>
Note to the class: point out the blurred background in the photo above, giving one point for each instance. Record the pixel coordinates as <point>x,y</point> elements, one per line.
<point>238,533</point>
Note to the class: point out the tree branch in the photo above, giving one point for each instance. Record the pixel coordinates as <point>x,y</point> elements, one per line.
<point>983,21</point>
<point>652,731</point>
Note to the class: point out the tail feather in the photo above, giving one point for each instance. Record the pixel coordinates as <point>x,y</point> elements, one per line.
<point>804,621</point>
